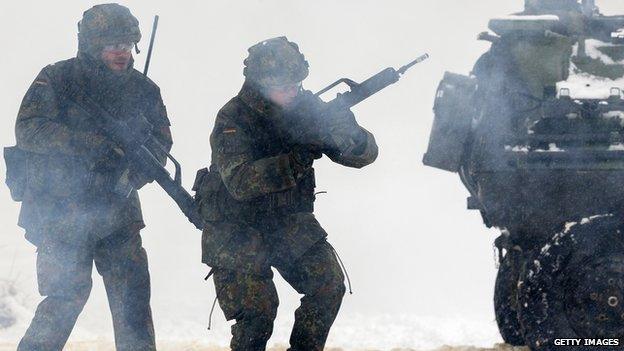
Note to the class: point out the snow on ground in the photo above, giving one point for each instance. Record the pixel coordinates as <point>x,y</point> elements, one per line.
<point>402,332</point>
<point>361,333</point>
<point>181,324</point>
<point>196,346</point>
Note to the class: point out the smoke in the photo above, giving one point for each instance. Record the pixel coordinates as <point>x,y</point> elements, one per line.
<point>7,315</point>
<point>8,299</point>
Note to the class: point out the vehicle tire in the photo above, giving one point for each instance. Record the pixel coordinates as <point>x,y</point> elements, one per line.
<point>574,286</point>
<point>506,300</point>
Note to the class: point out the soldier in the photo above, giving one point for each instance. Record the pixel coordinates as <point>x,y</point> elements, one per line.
<point>73,209</point>
<point>263,145</point>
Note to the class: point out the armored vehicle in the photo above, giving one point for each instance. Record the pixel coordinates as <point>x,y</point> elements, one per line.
<point>536,134</point>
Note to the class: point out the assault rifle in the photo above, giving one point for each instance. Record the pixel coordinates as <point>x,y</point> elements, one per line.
<point>140,149</point>
<point>361,91</point>
<point>308,113</point>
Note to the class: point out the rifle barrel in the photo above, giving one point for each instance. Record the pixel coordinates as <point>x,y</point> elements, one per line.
<point>420,59</point>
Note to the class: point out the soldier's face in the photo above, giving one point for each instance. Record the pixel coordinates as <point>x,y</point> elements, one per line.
<point>283,95</point>
<point>117,57</point>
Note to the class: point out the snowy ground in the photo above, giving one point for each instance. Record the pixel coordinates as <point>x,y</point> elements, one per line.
<point>103,346</point>
<point>342,338</point>
<point>402,332</point>
<point>359,334</point>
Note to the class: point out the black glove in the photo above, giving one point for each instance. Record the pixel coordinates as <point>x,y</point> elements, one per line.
<point>302,158</point>
<point>107,156</point>
<point>109,167</point>
<point>340,130</point>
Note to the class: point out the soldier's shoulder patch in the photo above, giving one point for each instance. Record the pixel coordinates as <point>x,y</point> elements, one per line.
<point>231,141</point>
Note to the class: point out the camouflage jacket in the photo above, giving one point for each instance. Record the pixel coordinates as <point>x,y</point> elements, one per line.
<point>267,202</point>
<point>62,200</point>
<point>253,155</point>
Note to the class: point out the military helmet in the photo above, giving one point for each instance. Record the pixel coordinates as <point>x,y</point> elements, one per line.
<point>106,24</point>
<point>275,61</point>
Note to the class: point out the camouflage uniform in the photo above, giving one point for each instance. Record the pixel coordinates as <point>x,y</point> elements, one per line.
<point>69,209</point>
<point>265,195</point>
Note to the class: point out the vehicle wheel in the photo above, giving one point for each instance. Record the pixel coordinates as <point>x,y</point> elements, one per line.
<point>574,287</point>
<point>506,300</point>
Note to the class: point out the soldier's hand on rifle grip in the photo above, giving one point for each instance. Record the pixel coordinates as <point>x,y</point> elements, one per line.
<point>301,159</point>
<point>341,130</point>
<point>107,155</point>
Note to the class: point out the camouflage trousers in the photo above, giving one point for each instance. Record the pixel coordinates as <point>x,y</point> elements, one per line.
<point>251,299</point>
<point>64,278</point>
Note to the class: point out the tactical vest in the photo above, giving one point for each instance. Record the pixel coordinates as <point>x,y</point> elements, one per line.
<point>217,204</point>
<point>73,175</point>
<point>51,184</point>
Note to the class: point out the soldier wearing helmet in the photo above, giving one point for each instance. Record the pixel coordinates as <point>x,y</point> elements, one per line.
<point>71,207</point>
<point>258,198</point>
